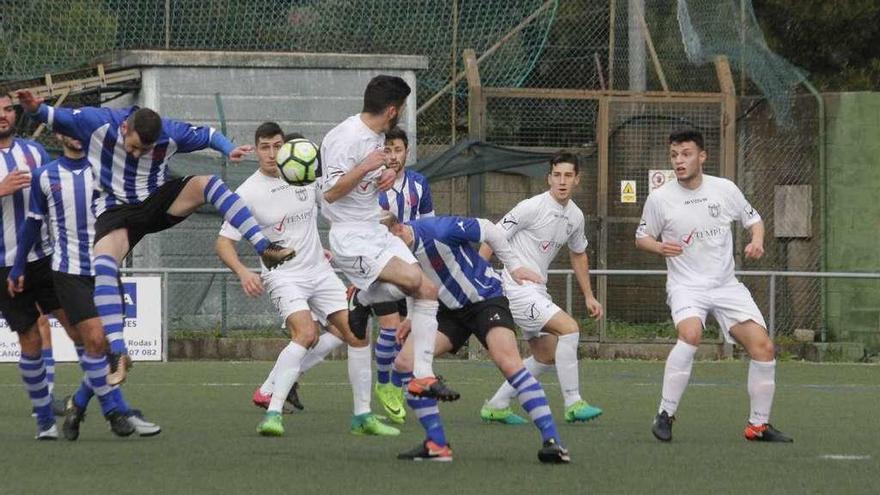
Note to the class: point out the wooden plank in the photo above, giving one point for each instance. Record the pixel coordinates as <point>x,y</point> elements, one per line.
<point>83,84</point>
<point>612,22</point>
<point>476,129</point>
<point>603,123</point>
<point>656,60</point>
<point>586,94</point>
<point>728,118</point>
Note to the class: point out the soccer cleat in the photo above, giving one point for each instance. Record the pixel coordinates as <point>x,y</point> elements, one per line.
<point>581,411</point>
<point>427,451</point>
<point>504,416</point>
<point>119,424</point>
<point>662,428</point>
<point>553,453</point>
<point>143,427</point>
<point>260,399</point>
<point>119,363</point>
<point>47,432</point>
<point>430,387</point>
<point>274,255</point>
<point>271,426</point>
<point>73,416</point>
<point>358,314</point>
<point>392,401</point>
<point>765,433</point>
<point>369,424</point>
<point>293,398</point>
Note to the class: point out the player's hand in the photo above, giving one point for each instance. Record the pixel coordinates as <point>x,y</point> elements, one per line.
<point>375,160</point>
<point>670,249</point>
<point>386,180</point>
<point>403,331</point>
<point>15,287</point>
<point>239,153</point>
<point>754,251</point>
<point>594,307</point>
<point>523,274</point>
<point>28,101</point>
<point>15,180</point>
<point>251,284</point>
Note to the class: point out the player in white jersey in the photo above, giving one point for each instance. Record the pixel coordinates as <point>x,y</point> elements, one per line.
<point>379,265</point>
<point>537,229</point>
<point>300,288</point>
<point>691,217</point>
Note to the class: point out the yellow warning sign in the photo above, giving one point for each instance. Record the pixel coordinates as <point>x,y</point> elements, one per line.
<point>627,191</point>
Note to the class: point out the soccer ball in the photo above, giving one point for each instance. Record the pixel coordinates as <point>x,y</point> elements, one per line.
<point>298,161</point>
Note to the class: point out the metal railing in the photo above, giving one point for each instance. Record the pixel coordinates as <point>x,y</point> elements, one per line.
<point>772,276</point>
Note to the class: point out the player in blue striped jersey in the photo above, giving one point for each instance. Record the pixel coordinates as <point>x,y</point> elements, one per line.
<point>408,199</point>
<point>18,157</point>
<point>60,196</point>
<point>129,151</point>
<point>471,303</point>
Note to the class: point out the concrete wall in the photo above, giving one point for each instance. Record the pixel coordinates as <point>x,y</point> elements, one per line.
<point>853,214</point>
<point>303,92</point>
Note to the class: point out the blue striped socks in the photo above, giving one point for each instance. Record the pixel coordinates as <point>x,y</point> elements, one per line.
<point>236,212</point>
<point>96,369</point>
<point>385,354</point>
<point>85,392</point>
<point>33,373</point>
<point>108,301</point>
<point>427,412</point>
<point>531,396</point>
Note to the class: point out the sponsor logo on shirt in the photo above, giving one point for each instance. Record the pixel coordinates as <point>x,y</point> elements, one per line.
<point>702,235</point>
<point>548,245</point>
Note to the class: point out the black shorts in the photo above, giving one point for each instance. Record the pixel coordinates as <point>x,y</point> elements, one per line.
<point>143,218</point>
<point>22,311</point>
<point>390,308</point>
<point>474,319</point>
<point>76,293</point>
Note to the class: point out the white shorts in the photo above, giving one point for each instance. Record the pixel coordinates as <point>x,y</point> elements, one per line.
<point>730,304</point>
<point>323,293</point>
<point>361,251</point>
<point>531,307</point>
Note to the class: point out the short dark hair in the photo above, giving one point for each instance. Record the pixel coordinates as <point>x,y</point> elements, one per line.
<point>267,130</point>
<point>384,91</point>
<point>687,135</point>
<point>293,135</point>
<point>565,157</point>
<point>397,133</point>
<point>147,124</point>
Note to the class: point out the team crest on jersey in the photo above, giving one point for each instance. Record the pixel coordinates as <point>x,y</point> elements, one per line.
<point>714,209</point>
<point>750,212</point>
<point>301,193</point>
<point>56,187</point>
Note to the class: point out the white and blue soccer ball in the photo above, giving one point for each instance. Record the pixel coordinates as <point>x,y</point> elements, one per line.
<point>298,161</point>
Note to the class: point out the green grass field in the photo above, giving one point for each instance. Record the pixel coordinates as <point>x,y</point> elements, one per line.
<point>209,444</point>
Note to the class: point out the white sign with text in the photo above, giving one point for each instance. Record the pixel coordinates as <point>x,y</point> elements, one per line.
<point>143,325</point>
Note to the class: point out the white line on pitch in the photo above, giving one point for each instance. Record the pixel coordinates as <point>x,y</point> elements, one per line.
<point>845,457</point>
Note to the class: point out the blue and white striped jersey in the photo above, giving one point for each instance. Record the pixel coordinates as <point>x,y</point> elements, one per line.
<point>62,191</point>
<point>409,198</point>
<point>24,155</point>
<point>120,178</point>
<point>443,247</point>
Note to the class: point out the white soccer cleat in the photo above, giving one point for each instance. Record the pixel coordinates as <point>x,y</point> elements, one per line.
<point>141,426</point>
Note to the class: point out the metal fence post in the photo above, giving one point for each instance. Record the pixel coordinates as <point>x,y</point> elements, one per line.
<point>772,310</point>
<point>165,328</point>
<point>568,293</point>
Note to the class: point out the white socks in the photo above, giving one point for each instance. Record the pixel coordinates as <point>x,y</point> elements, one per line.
<point>567,367</point>
<point>424,335</point>
<point>326,343</point>
<point>676,375</point>
<point>762,386</point>
<point>287,370</point>
<point>506,392</point>
<point>360,375</point>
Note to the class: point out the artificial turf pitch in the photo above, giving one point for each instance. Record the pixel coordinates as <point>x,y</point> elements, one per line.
<point>209,443</point>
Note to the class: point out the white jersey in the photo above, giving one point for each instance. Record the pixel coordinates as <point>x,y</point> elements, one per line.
<point>288,215</point>
<point>538,227</point>
<point>699,220</point>
<point>345,146</point>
